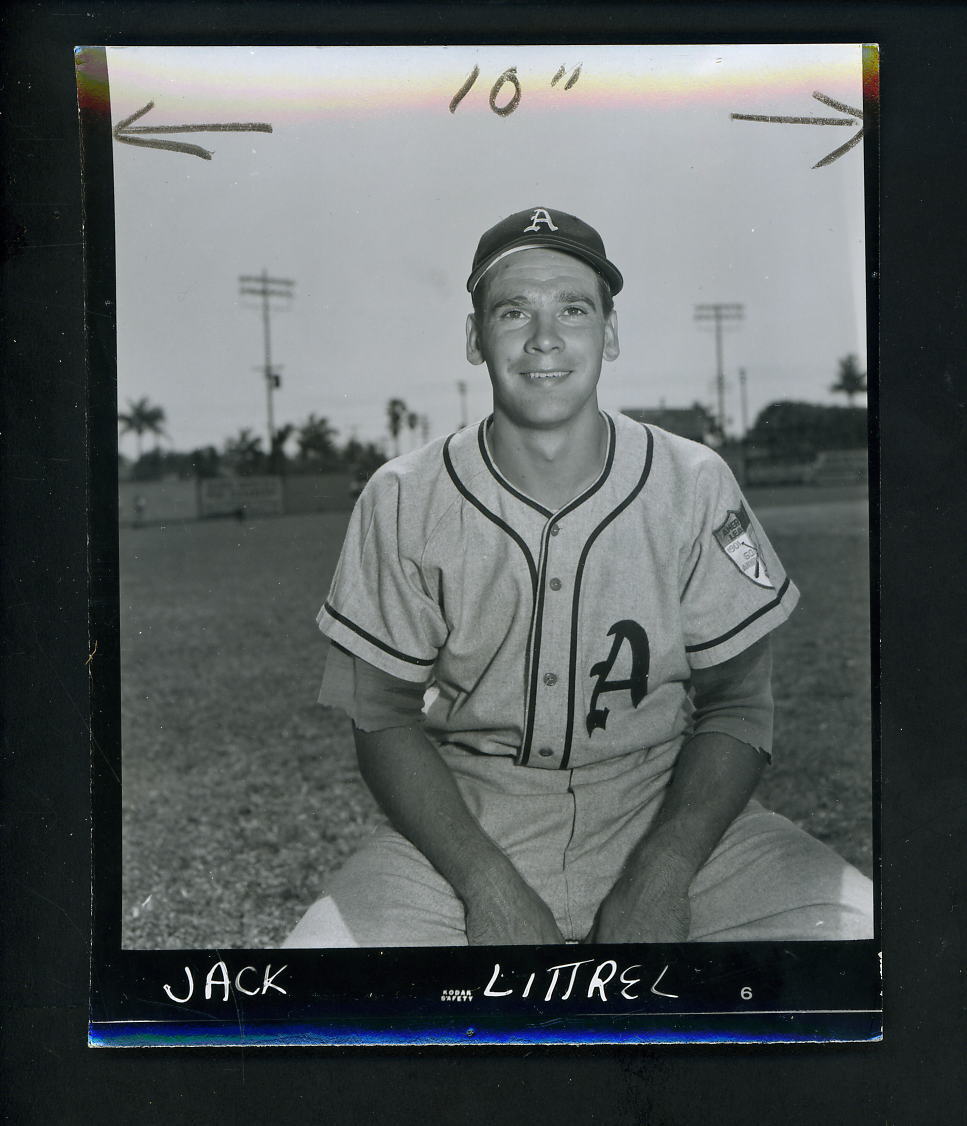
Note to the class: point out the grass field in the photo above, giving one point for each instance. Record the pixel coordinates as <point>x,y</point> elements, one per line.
<point>240,793</point>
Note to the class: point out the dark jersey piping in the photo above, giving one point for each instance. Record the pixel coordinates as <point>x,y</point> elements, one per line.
<point>504,484</point>
<point>546,512</point>
<point>532,568</point>
<point>375,640</point>
<point>534,655</point>
<point>481,507</point>
<point>572,666</point>
<point>605,474</point>
<point>534,660</point>
<point>741,626</point>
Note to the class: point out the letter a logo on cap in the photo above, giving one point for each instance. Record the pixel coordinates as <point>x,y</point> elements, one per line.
<point>540,216</point>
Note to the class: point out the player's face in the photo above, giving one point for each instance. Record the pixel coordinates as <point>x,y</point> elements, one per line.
<point>543,334</point>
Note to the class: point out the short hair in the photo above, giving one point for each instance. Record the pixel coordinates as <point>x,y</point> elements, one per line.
<point>480,289</point>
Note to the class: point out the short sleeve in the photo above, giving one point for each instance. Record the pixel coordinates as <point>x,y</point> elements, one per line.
<point>374,700</point>
<point>378,607</point>
<point>734,589</point>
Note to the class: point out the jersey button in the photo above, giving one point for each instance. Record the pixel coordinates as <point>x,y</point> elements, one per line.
<point>555,529</point>
<point>545,752</point>
<point>555,584</point>
<point>550,679</point>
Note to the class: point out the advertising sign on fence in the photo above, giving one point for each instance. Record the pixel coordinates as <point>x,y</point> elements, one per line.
<point>255,496</point>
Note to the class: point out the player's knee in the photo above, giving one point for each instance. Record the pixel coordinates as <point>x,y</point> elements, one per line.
<point>856,906</point>
<point>322,926</point>
<point>849,917</point>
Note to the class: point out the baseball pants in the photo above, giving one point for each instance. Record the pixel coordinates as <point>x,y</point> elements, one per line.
<point>568,833</point>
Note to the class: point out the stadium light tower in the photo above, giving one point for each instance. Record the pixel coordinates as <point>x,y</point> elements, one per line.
<point>265,287</point>
<point>720,314</point>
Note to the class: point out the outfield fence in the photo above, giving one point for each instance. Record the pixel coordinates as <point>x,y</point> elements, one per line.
<point>158,502</point>
<point>163,502</point>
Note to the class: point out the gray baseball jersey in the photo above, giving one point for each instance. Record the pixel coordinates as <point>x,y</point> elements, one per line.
<point>557,638</point>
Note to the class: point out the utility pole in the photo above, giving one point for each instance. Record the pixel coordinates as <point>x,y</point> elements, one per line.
<point>745,403</point>
<point>462,388</point>
<point>265,287</point>
<point>720,314</point>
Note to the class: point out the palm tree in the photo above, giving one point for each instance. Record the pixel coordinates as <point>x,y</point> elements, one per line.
<point>204,462</point>
<point>395,412</point>
<point>413,422</point>
<point>243,453</point>
<point>851,381</point>
<point>316,444</point>
<point>142,418</point>
<point>277,453</point>
<point>362,460</point>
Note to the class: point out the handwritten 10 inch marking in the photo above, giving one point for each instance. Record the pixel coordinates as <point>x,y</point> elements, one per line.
<point>508,76</point>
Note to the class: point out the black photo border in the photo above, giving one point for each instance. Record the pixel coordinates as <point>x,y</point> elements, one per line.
<point>921,423</point>
<point>757,992</point>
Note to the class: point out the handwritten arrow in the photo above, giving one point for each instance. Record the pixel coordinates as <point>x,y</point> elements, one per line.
<point>129,134</point>
<point>836,153</point>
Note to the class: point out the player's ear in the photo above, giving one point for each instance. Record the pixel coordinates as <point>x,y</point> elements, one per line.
<point>474,355</point>
<point>611,347</point>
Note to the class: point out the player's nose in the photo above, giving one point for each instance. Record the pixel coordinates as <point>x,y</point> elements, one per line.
<point>545,335</point>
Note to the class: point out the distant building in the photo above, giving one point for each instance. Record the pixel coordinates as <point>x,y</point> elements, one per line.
<point>693,422</point>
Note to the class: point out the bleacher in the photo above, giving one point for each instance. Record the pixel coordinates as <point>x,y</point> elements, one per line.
<point>839,467</point>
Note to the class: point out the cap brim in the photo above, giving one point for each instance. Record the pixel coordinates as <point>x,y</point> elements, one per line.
<point>600,265</point>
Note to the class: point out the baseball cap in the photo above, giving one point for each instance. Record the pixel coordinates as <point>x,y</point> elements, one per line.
<point>548,229</point>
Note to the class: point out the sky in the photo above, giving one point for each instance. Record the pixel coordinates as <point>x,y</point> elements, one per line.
<point>370,194</point>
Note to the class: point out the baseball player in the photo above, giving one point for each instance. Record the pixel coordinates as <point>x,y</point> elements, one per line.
<point>551,632</point>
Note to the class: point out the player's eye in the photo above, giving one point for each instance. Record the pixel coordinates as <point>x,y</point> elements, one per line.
<point>511,314</point>
<point>574,311</point>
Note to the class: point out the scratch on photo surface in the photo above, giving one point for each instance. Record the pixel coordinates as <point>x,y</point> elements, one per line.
<point>104,758</point>
<point>82,714</point>
<point>57,907</point>
<point>238,1018</point>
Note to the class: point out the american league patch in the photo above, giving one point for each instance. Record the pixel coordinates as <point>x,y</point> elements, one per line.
<point>736,538</point>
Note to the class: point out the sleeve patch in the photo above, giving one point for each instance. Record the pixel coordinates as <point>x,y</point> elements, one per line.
<point>737,539</point>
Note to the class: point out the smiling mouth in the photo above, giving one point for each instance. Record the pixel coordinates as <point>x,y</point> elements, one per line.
<point>545,375</point>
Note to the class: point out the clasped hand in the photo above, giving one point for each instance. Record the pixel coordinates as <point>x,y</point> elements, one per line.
<point>649,904</point>
<point>505,911</point>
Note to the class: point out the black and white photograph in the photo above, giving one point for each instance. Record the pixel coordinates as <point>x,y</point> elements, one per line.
<point>493,543</point>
